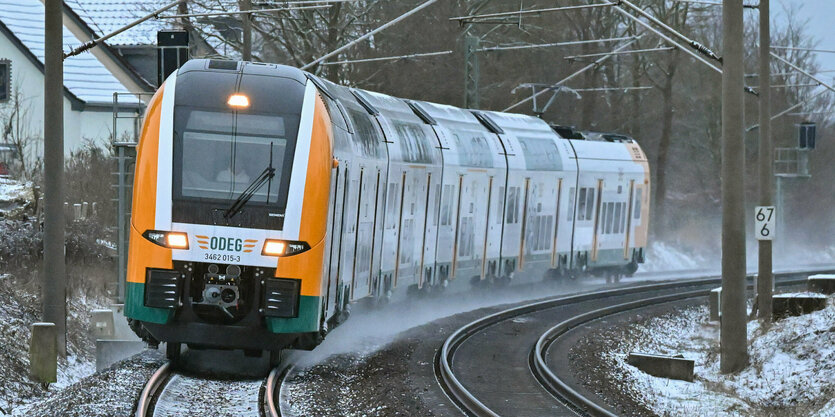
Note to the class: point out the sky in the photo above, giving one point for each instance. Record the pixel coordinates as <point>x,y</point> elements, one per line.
<point>821,19</point>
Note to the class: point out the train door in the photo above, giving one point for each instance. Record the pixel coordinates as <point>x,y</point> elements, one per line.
<point>524,224</point>
<point>335,237</point>
<point>628,214</point>
<point>352,219</point>
<point>391,228</point>
<point>597,221</point>
<point>377,232</point>
<point>425,276</point>
<point>554,242</point>
<point>487,225</point>
<point>366,219</point>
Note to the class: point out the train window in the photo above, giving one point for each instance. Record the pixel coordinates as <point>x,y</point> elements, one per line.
<point>536,222</point>
<point>603,216</point>
<point>581,210</point>
<point>437,200</point>
<point>446,206</point>
<point>571,204</point>
<point>618,208</point>
<point>391,204</point>
<point>589,203</point>
<point>414,145</point>
<point>499,205</point>
<point>610,215</point>
<point>513,204</point>
<point>366,137</point>
<point>466,236</point>
<point>623,219</point>
<point>637,207</point>
<point>222,153</point>
<point>546,236</point>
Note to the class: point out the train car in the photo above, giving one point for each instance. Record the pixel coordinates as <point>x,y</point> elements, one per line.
<point>267,201</point>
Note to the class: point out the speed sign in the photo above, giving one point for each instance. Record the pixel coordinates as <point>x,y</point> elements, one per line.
<point>765,220</point>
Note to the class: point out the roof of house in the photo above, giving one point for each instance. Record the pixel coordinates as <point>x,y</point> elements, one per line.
<point>84,76</point>
<point>105,16</point>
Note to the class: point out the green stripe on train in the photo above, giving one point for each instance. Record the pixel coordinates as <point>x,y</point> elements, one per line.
<point>307,320</point>
<point>135,306</point>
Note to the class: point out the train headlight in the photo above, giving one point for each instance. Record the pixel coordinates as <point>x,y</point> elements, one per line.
<point>238,100</point>
<point>275,247</point>
<point>172,240</point>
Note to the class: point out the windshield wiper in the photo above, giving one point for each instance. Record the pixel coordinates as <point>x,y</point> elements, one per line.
<point>250,191</point>
<point>265,177</point>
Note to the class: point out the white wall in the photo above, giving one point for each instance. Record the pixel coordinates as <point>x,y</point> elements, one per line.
<point>94,124</point>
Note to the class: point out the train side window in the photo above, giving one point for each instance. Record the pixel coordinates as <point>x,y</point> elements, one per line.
<point>581,201</point>
<point>603,216</point>
<point>549,226</point>
<point>511,205</point>
<point>589,203</point>
<point>437,199</point>
<point>446,206</point>
<point>391,204</point>
<point>571,204</point>
<point>610,216</point>
<point>499,200</point>
<point>618,208</point>
<point>623,219</point>
<point>637,204</point>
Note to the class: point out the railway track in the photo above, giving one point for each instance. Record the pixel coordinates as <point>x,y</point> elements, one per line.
<point>169,393</point>
<point>489,378</point>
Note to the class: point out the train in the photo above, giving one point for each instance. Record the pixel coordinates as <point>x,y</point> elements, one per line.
<point>267,201</point>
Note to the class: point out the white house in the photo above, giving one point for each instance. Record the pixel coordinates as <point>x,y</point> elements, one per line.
<point>90,79</point>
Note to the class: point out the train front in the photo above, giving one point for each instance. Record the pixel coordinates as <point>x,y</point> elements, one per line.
<point>229,209</point>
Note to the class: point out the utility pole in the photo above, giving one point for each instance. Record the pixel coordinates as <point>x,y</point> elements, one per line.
<point>54,278</point>
<point>733,338</point>
<point>765,276</point>
<point>246,19</point>
<point>471,71</point>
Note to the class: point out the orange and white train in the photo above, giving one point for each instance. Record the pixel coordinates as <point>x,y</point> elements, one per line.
<point>267,200</point>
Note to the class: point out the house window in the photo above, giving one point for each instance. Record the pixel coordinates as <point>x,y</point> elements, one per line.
<point>5,80</point>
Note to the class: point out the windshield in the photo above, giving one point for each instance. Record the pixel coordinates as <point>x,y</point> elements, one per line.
<point>219,153</point>
<point>222,156</point>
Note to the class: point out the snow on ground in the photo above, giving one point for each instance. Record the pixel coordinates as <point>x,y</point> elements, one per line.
<point>21,308</point>
<point>791,371</point>
<point>15,196</point>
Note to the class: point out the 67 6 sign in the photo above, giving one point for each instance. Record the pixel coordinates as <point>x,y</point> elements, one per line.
<point>765,221</point>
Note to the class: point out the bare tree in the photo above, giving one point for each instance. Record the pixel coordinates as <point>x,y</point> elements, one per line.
<point>15,117</point>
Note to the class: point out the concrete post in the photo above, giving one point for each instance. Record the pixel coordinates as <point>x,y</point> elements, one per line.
<point>734,341</point>
<point>765,274</point>
<point>54,278</point>
<point>43,353</point>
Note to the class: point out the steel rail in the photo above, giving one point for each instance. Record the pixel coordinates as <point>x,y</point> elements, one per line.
<point>271,408</point>
<point>559,388</point>
<point>471,405</point>
<point>443,367</point>
<point>143,406</point>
